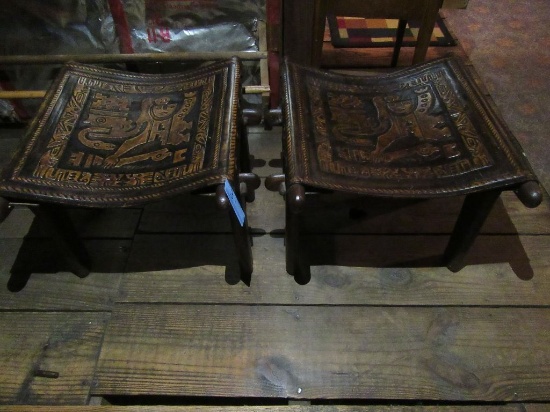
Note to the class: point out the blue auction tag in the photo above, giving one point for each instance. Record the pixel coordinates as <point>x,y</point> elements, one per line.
<point>234,202</point>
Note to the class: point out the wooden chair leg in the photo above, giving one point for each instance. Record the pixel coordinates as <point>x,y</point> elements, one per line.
<point>297,263</point>
<point>59,225</point>
<point>431,11</point>
<point>475,210</point>
<point>398,41</point>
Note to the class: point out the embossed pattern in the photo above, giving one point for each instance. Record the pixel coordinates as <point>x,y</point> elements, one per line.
<point>109,138</point>
<point>420,131</point>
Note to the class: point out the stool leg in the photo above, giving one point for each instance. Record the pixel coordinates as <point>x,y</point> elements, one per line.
<point>297,263</point>
<point>251,182</point>
<point>64,235</point>
<point>241,235</point>
<point>398,41</point>
<point>475,210</point>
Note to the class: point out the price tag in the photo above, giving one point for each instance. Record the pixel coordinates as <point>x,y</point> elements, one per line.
<point>235,204</point>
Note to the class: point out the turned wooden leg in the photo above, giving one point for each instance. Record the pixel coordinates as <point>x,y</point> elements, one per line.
<point>297,263</point>
<point>398,41</point>
<point>59,225</point>
<point>241,235</point>
<point>529,193</point>
<point>251,182</point>
<point>475,210</point>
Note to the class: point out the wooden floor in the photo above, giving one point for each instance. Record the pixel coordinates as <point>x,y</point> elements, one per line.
<point>380,327</point>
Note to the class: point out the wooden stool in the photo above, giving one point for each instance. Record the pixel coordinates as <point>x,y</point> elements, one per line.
<point>109,139</point>
<point>422,132</point>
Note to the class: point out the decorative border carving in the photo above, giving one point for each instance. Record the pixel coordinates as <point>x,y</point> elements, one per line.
<point>311,144</point>
<point>68,99</point>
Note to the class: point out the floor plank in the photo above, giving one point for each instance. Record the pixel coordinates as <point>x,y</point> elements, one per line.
<point>478,284</point>
<point>31,278</point>
<point>65,343</point>
<point>266,147</point>
<point>517,407</point>
<point>467,354</point>
<point>331,214</point>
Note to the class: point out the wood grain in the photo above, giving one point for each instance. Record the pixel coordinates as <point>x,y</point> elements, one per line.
<point>468,354</point>
<point>89,223</point>
<point>42,284</point>
<point>480,284</point>
<point>64,343</point>
<point>97,223</point>
<point>517,407</point>
<point>331,214</point>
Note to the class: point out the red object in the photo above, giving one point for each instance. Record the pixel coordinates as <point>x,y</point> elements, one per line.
<point>273,13</point>
<point>121,26</point>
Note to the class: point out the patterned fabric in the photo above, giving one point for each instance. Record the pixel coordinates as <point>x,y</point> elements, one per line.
<point>359,32</point>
